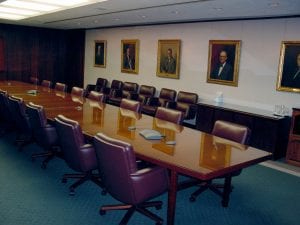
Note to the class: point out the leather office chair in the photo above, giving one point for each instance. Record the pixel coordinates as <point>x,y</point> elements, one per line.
<point>130,105</point>
<point>116,85</point>
<point>185,102</point>
<point>124,182</point>
<point>171,115</point>
<point>21,120</point>
<point>233,132</point>
<point>34,80</point>
<point>128,89</point>
<point>44,134</point>
<point>78,155</point>
<point>100,85</point>
<point>6,119</point>
<point>165,96</point>
<point>60,87</point>
<point>46,83</point>
<point>96,96</point>
<point>78,91</point>
<point>144,94</point>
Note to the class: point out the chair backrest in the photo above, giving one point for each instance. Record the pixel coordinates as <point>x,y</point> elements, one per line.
<point>46,83</point>
<point>18,113</point>
<point>232,131</point>
<point>70,140</point>
<point>116,162</point>
<point>101,82</point>
<point>129,88</point>
<point>187,97</point>
<point>116,84</point>
<point>130,105</point>
<point>4,106</point>
<point>186,103</point>
<point>77,91</point>
<point>170,115</point>
<point>34,80</point>
<point>60,87</point>
<point>96,96</point>
<point>44,134</point>
<point>146,92</point>
<point>166,95</point>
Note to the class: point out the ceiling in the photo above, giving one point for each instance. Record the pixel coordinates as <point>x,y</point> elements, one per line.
<point>113,13</point>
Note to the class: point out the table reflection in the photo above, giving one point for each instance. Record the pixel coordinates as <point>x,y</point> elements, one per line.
<point>127,123</point>
<point>98,109</point>
<point>78,99</point>
<point>168,130</point>
<point>215,152</point>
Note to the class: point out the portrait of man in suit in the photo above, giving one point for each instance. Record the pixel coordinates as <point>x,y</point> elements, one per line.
<point>223,62</point>
<point>289,67</point>
<point>100,47</point>
<point>129,56</point>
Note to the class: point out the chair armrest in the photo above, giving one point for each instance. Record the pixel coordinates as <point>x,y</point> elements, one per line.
<point>90,87</point>
<point>150,182</point>
<point>88,157</point>
<point>134,96</point>
<point>106,90</point>
<point>171,104</point>
<point>152,101</point>
<point>193,111</point>
<point>99,88</point>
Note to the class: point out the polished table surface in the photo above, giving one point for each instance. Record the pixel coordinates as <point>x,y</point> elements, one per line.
<point>195,153</point>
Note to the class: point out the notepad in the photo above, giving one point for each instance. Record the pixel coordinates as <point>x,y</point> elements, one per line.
<point>151,134</point>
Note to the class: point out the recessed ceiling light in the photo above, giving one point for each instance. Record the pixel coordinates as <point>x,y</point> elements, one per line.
<point>21,9</point>
<point>175,12</point>
<point>143,16</point>
<point>273,4</point>
<point>116,19</point>
<point>218,8</point>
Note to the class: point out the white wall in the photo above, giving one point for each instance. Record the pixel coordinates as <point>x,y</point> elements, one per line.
<point>260,48</point>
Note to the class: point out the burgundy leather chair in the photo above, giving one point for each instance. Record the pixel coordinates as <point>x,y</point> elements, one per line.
<point>21,121</point>
<point>43,133</point>
<point>233,132</point>
<point>78,91</point>
<point>60,87</point>
<point>165,96</point>
<point>116,85</point>
<point>186,103</point>
<point>100,85</point>
<point>5,116</point>
<point>123,180</point>
<point>130,105</point>
<point>144,94</point>
<point>78,155</point>
<point>34,80</point>
<point>96,96</point>
<point>171,115</point>
<point>127,91</point>
<point>46,83</point>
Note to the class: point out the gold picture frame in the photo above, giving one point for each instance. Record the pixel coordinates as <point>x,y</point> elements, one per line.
<point>130,56</point>
<point>288,78</point>
<point>168,59</point>
<point>100,53</point>
<point>223,62</point>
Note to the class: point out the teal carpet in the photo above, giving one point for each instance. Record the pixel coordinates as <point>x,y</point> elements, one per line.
<point>30,195</point>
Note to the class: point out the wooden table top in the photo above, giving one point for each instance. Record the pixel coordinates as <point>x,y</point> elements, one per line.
<point>195,153</point>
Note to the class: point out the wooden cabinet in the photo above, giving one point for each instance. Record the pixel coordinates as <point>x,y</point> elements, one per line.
<point>293,152</point>
<point>268,132</point>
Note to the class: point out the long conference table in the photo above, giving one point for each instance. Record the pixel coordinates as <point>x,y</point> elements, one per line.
<point>195,154</point>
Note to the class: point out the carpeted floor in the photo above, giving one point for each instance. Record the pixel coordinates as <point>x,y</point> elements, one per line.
<point>30,195</point>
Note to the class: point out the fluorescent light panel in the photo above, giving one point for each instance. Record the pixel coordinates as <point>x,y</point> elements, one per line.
<point>21,9</point>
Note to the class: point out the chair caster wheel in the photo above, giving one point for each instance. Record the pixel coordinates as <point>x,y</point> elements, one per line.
<point>158,207</point>
<point>102,212</point>
<point>44,166</point>
<point>64,180</point>
<point>72,192</point>
<point>192,199</point>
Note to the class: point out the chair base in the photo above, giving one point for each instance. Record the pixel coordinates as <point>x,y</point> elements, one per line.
<point>141,208</point>
<point>83,177</point>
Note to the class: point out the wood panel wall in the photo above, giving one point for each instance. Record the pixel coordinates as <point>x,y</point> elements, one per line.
<point>52,54</point>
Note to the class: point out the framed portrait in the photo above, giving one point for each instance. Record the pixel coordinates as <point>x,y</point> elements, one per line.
<point>100,54</point>
<point>223,62</point>
<point>289,67</point>
<point>168,56</point>
<point>130,56</point>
